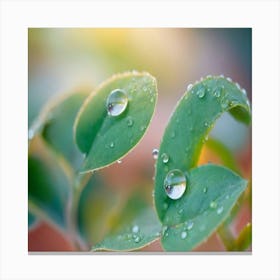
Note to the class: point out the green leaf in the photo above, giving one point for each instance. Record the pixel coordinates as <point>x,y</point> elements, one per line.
<point>135,227</point>
<point>105,138</point>
<point>184,136</point>
<point>32,221</point>
<point>55,124</point>
<point>244,239</point>
<point>97,204</point>
<point>48,184</point>
<point>199,210</point>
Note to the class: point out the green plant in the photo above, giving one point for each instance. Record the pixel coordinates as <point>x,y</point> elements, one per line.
<point>76,136</point>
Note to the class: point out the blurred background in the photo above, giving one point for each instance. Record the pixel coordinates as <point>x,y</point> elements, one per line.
<point>62,59</point>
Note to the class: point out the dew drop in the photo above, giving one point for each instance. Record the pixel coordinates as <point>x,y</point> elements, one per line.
<point>222,76</point>
<point>112,145</point>
<point>129,122</point>
<point>175,184</point>
<point>165,158</point>
<point>119,161</point>
<point>165,205</point>
<point>205,190</point>
<point>206,124</point>
<point>244,91</point>
<point>190,225</point>
<point>220,210</point>
<point>116,102</point>
<point>137,239</point>
<point>143,127</point>
<point>217,92</point>
<point>155,153</point>
<point>135,229</point>
<point>208,76</point>
<point>227,196</point>
<point>180,211</point>
<point>201,92</point>
<point>238,86</point>
<point>184,234</point>
<point>173,135</point>
<point>189,87</point>
<point>229,79</point>
<point>213,204</point>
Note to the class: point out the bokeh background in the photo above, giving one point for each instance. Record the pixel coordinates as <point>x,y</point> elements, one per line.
<point>60,60</point>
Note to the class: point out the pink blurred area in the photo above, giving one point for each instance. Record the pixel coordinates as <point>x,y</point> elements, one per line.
<point>60,59</point>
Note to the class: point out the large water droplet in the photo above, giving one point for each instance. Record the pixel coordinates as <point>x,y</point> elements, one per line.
<point>116,102</point>
<point>184,234</point>
<point>135,229</point>
<point>155,153</point>
<point>220,210</point>
<point>129,121</point>
<point>175,184</point>
<point>165,158</point>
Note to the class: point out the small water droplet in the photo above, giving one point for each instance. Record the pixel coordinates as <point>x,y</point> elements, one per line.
<point>206,138</point>
<point>135,229</point>
<point>143,127</point>
<point>116,102</point>
<point>244,91</point>
<point>173,135</point>
<point>229,79</point>
<point>189,112</point>
<point>201,92</point>
<point>137,239</point>
<point>227,196</point>
<point>175,184</point>
<point>208,76</point>
<point>155,153</point>
<point>190,225</point>
<point>180,211</point>
<point>206,124</point>
<point>184,234</point>
<point>238,86</point>
<point>205,190</point>
<point>165,158</point>
<point>112,145</point>
<point>217,92</point>
<point>152,100</point>
<point>129,122</point>
<point>222,76</point>
<point>189,87</point>
<point>213,204</point>
<point>119,161</point>
<point>157,234</point>
<point>220,210</point>
<point>165,205</point>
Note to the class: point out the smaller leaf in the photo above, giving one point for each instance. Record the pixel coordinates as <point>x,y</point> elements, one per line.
<point>114,118</point>
<point>55,124</point>
<point>136,226</point>
<point>48,184</point>
<point>212,192</point>
<point>244,239</point>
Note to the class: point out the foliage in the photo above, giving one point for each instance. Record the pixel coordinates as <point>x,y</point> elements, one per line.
<point>81,133</point>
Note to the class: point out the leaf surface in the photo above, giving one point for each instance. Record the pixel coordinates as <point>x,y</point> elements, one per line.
<point>105,138</point>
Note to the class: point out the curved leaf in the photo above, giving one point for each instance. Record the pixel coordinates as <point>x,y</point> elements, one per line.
<point>55,124</point>
<point>96,206</point>
<point>48,184</point>
<point>184,136</point>
<point>189,126</point>
<point>211,193</point>
<point>136,226</point>
<point>105,138</point>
